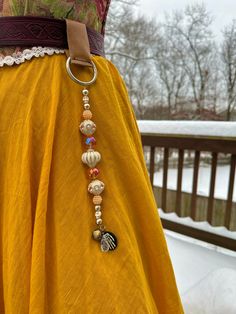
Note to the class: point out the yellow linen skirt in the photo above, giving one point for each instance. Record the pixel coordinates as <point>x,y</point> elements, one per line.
<point>49,262</point>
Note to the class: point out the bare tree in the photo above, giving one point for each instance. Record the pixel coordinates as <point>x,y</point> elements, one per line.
<point>195,42</point>
<point>169,68</point>
<point>173,69</point>
<point>120,12</point>
<point>214,92</point>
<point>129,48</point>
<point>228,55</point>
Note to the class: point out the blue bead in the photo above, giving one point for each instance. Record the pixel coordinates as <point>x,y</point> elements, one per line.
<point>88,140</point>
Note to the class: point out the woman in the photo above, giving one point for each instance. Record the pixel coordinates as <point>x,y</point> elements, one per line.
<point>51,260</point>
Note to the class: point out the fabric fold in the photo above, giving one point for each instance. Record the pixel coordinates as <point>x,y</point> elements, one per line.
<point>50,263</point>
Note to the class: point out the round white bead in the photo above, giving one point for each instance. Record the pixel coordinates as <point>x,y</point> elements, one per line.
<point>99,221</point>
<point>85,92</point>
<point>98,214</point>
<point>98,207</point>
<point>86,106</point>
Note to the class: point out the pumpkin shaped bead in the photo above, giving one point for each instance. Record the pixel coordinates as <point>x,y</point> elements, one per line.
<point>91,158</point>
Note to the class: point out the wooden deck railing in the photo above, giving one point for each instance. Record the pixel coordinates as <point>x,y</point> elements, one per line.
<point>171,136</point>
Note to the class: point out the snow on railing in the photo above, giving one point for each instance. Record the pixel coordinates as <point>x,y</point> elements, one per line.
<point>188,128</point>
<point>201,225</point>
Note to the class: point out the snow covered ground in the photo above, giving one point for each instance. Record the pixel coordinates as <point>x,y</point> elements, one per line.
<point>205,275</point>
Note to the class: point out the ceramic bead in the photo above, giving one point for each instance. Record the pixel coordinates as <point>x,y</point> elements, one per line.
<point>91,158</point>
<point>87,127</point>
<point>96,187</point>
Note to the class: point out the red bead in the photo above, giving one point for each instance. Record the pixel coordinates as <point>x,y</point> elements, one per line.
<point>93,172</point>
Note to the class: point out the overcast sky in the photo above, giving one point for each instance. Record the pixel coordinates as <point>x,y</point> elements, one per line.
<point>223,11</point>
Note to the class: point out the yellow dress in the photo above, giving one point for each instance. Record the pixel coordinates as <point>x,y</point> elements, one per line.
<point>49,262</point>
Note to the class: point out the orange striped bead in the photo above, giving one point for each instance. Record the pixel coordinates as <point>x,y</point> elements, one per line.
<point>97,199</point>
<point>87,114</point>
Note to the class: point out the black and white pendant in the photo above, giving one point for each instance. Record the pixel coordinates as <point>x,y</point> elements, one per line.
<point>108,241</point>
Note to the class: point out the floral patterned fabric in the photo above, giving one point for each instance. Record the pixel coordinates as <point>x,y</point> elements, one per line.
<point>91,12</point>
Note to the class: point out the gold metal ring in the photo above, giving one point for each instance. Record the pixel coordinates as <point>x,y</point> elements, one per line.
<point>84,83</point>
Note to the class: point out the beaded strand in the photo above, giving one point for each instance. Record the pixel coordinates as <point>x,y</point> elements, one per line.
<point>108,240</point>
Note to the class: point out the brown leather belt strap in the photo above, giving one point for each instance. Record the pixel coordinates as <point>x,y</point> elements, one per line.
<point>32,31</point>
<point>78,43</point>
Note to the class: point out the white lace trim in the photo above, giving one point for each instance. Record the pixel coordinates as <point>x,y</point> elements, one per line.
<point>27,54</point>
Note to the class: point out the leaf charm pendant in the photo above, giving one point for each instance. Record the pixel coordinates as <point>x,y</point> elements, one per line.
<point>108,241</point>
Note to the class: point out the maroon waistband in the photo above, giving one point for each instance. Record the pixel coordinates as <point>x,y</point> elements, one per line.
<point>32,31</point>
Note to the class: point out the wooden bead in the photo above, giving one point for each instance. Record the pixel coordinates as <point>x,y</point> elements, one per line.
<point>87,114</point>
<point>97,199</point>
